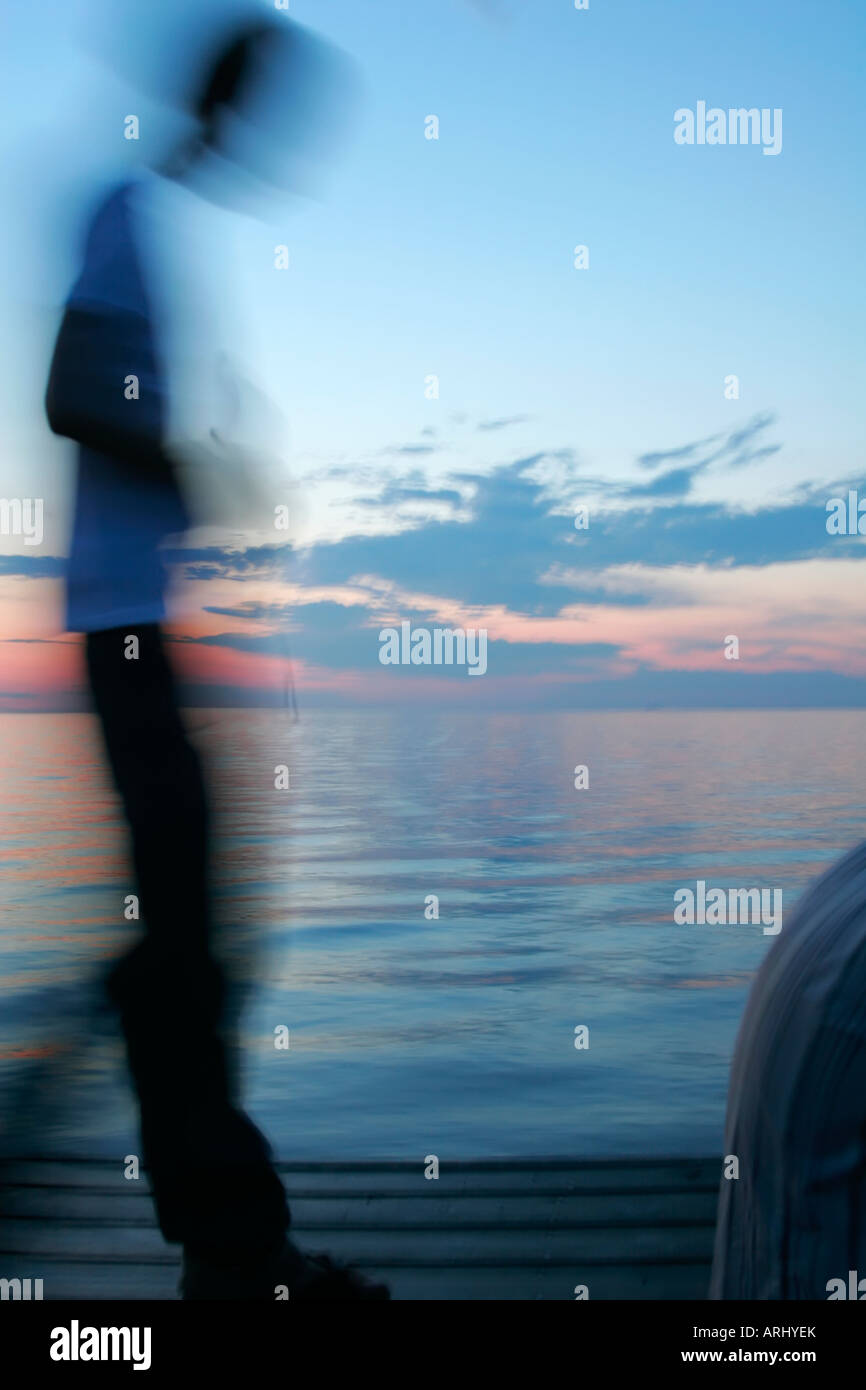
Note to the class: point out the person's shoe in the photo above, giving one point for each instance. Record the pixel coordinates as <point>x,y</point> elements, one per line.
<point>289,1274</point>
<point>329,1279</point>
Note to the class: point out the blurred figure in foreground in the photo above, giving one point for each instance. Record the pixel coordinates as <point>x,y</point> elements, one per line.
<point>793,1224</point>
<point>140,383</point>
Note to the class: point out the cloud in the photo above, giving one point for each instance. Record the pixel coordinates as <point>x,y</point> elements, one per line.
<point>396,495</point>
<point>650,588</point>
<point>411,449</point>
<point>265,644</point>
<point>331,636</point>
<point>802,615</point>
<point>503,423</point>
<point>516,522</point>
<point>676,483</point>
<point>684,451</point>
<point>225,562</point>
<point>251,610</point>
<point>33,566</point>
<point>734,451</point>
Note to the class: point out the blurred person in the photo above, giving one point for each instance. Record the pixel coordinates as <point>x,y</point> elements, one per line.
<point>792,1225</point>
<point>136,317</point>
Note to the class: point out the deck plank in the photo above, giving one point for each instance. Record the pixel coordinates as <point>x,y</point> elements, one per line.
<point>374,1211</point>
<point>65,1281</point>
<point>548,1176</point>
<point>620,1245</point>
<point>490,1230</point>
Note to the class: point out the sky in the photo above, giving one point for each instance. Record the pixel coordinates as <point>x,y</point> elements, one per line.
<point>605,387</point>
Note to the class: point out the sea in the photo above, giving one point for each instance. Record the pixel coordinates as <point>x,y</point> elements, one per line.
<point>448,933</point>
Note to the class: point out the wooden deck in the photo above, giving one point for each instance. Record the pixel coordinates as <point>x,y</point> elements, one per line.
<point>496,1229</point>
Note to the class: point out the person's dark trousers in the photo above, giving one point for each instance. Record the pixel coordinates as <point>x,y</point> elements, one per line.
<point>214,1186</point>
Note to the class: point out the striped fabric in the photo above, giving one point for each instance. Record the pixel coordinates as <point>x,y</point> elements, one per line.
<point>795,1218</point>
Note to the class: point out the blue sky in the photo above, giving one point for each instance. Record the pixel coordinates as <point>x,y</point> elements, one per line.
<point>454,257</point>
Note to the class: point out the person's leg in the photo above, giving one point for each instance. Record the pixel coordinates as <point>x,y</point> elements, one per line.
<point>215,1188</point>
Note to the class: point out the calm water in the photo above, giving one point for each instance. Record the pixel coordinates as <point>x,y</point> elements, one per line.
<point>452,1036</point>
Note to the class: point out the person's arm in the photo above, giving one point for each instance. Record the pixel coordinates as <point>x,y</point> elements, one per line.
<point>105,389</point>
<point>91,396</point>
